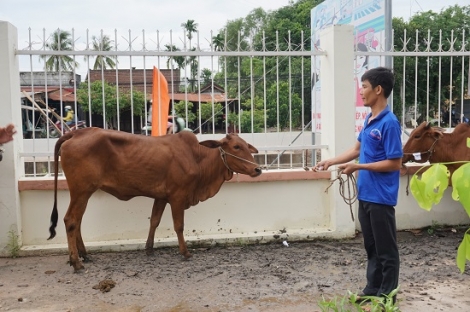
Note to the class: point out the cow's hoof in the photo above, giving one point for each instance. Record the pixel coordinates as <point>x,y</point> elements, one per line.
<point>87,259</point>
<point>149,252</point>
<point>187,255</point>
<point>79,268</point>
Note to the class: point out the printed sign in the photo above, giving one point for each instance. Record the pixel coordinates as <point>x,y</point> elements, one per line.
<point>368,18</point>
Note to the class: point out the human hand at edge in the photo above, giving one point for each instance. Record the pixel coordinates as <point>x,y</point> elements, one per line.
<point>322,165</point>
<point>6,134</point>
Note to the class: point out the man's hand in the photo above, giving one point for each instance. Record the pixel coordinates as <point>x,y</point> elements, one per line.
<point>6,134</point>
<point>348,167</point>
<point>322,166</point>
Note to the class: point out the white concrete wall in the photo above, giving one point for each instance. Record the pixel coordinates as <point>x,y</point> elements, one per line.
<point>241,210</point>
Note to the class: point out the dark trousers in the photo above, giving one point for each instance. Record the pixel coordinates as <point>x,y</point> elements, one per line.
<point>380,241</point>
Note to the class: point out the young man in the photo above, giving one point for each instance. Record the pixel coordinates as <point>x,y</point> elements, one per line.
<point>379,149</point>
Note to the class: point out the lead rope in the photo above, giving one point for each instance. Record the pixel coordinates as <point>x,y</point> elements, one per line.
<point>408,180</point>
<point>351,185</point>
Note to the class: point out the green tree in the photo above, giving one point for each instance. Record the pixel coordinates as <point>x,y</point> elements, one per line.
<point>193,69</point>
<point>103,43</point>
<point>206,75</point>
<point>190,27</point>
<point>218,42</point>
<point>452,20</point>
<point>281,101</point>
<point>185,109</point>
<point>209,116</point>
<point>103,94</point>
<point>61,41</point>
<point>179,60</point>
<point>287,28</point>
<point>251,117</point>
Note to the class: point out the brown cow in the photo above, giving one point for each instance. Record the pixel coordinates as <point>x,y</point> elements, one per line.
<point>431,144</point>
<point>174,169</point>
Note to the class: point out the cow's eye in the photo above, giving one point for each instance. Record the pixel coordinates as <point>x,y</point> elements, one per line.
<point>237,147</point>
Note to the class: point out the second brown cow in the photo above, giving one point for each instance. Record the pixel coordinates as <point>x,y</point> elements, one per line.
<point>173,169</point>
<point>427,143</point>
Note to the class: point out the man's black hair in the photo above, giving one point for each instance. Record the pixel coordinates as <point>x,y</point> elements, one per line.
<point>380,76</point>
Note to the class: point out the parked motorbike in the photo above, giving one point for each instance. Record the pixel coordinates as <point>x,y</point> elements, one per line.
<point>179,125</point>
<point>53,133</point>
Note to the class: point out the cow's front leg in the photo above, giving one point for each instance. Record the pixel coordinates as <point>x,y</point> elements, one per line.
<point>157,212</point>
<point>178,224</point>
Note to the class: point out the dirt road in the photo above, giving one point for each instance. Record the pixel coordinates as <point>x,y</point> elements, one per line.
<point>269,277</point>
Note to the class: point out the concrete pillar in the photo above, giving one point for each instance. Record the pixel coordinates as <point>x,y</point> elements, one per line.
<point>11,167</point>
<point>338,110</point>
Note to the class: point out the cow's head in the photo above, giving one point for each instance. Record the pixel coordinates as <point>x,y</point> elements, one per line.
<point>420,144</point>
<point>236,154</point>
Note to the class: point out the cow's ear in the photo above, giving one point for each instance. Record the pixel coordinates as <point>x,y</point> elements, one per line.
<point>229,136</point>
<point>437,135</point>
<point>252,149</point>
<point>210,143</point>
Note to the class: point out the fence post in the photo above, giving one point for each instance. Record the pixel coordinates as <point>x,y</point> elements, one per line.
<point>338,110</point>
<point>11,167</point>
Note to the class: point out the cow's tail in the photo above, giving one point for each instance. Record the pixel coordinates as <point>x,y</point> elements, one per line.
<point>55,213</point>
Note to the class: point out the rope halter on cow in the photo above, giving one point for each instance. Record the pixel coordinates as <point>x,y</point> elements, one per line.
<point>417,156</point>
<point>224,159</point>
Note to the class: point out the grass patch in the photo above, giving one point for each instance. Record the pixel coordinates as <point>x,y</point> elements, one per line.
<point>350,303</point>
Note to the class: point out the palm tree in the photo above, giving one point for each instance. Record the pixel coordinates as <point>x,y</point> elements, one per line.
<point>218,42</point>
<point>191,27</point>
<point>193,68</point>
<point>103,44</point>
<point>61,41</point>
<point>179,60</point>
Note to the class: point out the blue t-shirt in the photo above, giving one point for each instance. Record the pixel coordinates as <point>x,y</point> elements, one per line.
<point>380,139</point>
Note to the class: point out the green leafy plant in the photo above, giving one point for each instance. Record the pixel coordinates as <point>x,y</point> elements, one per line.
<point>13,245</point>
<point>429,188</point>
<point>434,227</point>
<point>351,302</point>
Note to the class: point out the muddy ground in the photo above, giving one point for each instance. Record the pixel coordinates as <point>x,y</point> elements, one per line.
<point>269,277</point>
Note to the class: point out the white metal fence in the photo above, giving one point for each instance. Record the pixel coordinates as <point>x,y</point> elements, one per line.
<point>260,88</point>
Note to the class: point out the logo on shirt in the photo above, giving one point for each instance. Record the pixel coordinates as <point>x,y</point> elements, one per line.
<point>375,134</point>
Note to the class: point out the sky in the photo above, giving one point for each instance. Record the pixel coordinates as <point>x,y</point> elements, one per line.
<point>130,18</point>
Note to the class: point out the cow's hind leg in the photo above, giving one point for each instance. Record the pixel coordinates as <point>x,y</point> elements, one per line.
<point>157,212</point>
<point>177,212</point>
<point>72,220</point>
<point>81,246</point>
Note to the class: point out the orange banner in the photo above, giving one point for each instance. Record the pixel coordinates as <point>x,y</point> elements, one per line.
<point>160,103</point>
